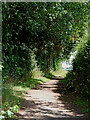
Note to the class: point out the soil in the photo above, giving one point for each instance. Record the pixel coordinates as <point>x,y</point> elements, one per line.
<point>47,102</point>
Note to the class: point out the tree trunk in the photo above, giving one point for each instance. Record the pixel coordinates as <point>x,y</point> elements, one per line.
<point>48,63</point>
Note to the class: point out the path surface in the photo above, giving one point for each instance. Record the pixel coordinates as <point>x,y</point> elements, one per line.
<point>45,103</point>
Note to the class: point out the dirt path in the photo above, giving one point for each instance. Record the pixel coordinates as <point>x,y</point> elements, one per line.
<point>46,102</point>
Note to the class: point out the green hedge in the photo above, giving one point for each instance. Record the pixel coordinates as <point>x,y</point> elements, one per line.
<point>79,79</point>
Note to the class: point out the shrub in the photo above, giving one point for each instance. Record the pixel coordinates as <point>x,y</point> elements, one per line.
<point>79,78</point>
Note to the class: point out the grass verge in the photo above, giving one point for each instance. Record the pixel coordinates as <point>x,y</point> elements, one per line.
<point>15,90</point>
<point>84,103</point>
<point>77,99</point>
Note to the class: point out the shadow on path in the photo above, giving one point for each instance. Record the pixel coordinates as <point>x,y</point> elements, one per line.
<point>47,102</point>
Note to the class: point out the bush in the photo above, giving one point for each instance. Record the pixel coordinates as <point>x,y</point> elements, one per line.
<point>81,67</point>
<point>79,78</point>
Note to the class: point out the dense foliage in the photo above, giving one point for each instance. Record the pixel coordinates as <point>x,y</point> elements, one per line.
<point>49,29</point>
<point>39,32</point>
<point>79,78</point>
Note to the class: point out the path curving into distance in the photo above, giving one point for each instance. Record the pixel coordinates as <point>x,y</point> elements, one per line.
<point>46,102</point>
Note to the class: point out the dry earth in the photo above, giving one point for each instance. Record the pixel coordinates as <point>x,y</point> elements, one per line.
<point>46,102</point>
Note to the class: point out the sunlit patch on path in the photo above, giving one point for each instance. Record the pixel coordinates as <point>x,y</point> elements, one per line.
<point>45,103</point>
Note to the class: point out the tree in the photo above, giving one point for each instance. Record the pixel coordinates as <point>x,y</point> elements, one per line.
<point>46,28</point>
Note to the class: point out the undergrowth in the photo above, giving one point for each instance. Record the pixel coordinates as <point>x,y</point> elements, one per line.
<point>14,91</point>
<point>80,100</point>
